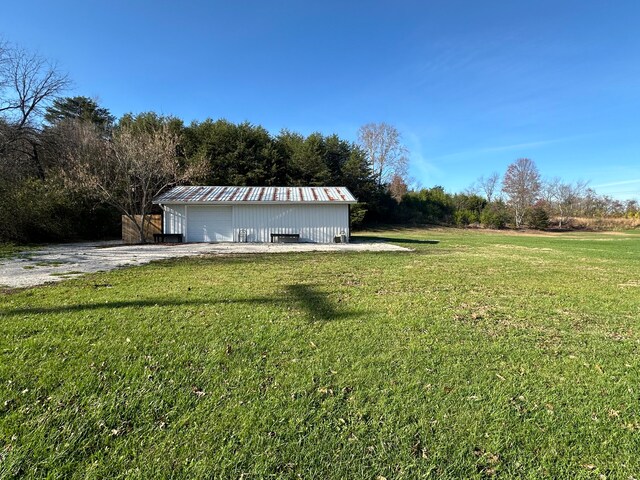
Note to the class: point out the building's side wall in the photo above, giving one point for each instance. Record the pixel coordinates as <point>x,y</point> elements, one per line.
<point>174,219</point>
<point>314,223</point>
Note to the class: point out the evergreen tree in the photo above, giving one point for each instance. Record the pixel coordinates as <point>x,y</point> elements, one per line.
<point>79,108</point>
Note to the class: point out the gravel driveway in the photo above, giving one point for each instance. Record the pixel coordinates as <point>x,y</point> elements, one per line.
<point>54,263</point>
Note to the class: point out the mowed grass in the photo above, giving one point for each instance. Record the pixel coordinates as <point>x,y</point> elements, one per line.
<point>483,355</point>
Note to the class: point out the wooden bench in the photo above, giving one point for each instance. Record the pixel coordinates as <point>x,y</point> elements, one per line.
<point>167,237</point>
<point>285,237</point>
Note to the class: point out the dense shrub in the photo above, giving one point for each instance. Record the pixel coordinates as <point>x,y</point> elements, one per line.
<point>495,215</point>
<point>34,210</point>
<point>465,217</point>
<point>537,217</point>
<point>429,205</point>
<point>357,214</point>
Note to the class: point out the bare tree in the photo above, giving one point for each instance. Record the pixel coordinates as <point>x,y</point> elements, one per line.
<point>28,83</point>
<point>397,188</point>
<point>128,170</point>
<point>521,184</point>
<point>565,198</point>
<point>472,189</point>
<point>489,186</point>
<point>387,155</point>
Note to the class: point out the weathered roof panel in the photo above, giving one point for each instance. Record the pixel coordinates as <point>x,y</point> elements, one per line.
<point>226,195</point>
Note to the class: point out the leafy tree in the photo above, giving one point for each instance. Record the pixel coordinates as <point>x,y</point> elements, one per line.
<point>357,214</point>
<point>241,154</point>
<point>305,158</point>
<point>495,215</point>
<point>79,108</point>
<point>336,153</point>
<point>429,205</point>
<point>468,208</point>
<point>537,216</point>
<point>151,122</point>
<point>473,203</point>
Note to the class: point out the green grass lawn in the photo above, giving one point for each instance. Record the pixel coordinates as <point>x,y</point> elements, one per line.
<point>483,355</point>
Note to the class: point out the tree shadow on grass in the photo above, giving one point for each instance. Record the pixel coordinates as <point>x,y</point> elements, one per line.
<point>368,238</point>
<point>308,298</point>
<point>315,303</point>
<point>81,307</point>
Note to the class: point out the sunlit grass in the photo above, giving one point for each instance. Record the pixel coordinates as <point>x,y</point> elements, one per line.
<point>478,354</point>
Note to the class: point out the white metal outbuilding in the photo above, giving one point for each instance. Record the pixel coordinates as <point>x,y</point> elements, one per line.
<point>254,214</point>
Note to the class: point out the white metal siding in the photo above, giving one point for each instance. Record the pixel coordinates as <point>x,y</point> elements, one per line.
<point>209,224</point>
<point>314,223</point>
<point>174,219</point>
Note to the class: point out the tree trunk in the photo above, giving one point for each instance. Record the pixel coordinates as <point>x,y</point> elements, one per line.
<point>37,162</point>
<point>142,229</point>
<point>139,226</point>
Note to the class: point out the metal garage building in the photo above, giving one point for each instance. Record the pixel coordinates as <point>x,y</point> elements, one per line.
<point>256,214</point>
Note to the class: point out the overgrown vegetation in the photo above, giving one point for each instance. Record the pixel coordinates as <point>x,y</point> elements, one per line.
<point>483,355</point>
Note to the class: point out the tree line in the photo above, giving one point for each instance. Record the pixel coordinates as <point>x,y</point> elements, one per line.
<point>69,169</point>
<point>519,198</point>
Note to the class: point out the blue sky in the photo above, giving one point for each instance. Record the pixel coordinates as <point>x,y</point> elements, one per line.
<point>471,85</point>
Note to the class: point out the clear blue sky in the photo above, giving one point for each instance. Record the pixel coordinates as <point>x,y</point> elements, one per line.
<point>472,85</point>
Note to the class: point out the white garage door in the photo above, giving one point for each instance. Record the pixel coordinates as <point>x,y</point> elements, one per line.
<point>209,224</point>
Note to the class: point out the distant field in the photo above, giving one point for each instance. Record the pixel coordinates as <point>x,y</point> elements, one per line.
<point>611,223</point>
<point>481,354</point>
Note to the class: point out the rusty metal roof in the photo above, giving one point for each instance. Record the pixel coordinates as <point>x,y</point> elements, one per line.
<point>235,195</point>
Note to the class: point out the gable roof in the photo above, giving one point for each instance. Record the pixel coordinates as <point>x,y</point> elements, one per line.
<point>216,195</point>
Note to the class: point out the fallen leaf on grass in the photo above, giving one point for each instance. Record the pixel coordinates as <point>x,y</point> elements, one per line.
<point>198,392</point>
